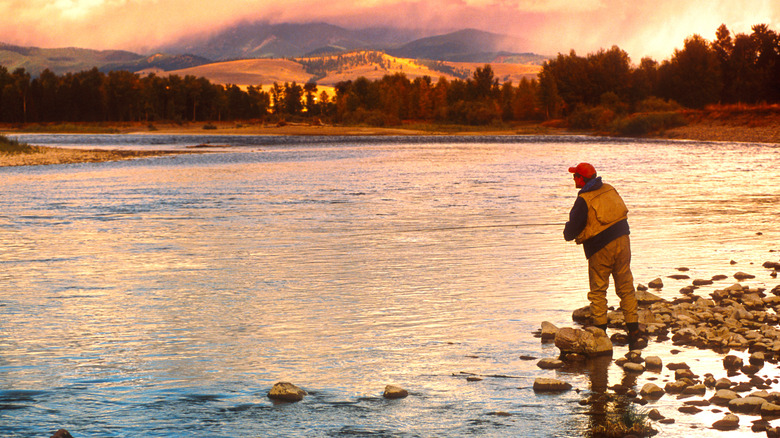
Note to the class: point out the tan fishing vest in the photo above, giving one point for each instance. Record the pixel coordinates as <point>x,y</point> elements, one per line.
<point>605,208</point>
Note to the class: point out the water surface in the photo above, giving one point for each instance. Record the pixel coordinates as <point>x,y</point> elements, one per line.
<point>165,296</point>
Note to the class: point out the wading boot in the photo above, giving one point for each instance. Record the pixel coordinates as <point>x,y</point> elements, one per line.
<point>636,341</point>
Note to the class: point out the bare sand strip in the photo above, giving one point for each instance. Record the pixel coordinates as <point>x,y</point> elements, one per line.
<point>45,155</point>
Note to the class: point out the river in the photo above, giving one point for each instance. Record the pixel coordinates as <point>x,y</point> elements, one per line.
<point>165,296</point>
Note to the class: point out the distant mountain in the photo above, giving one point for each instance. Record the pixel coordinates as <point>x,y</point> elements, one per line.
<point>34,59</point>
<point>67,60</point>
<point>264,40</point>
<point>160,61</point>
<point>468,45</point>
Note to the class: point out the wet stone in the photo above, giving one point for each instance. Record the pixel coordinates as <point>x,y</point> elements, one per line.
<point>746,405</point>
<point>743,276</point>
<point>287,392</point>
<point>542,384</point>
<point>689,409</point>
<point>653,363</point>
<point>632,367</point>
<point>656,284</point>
<point>770,410</point>
<point>729,422</point>
<point>548,331</point>
<point>651,390</point>
<point>549,364</point>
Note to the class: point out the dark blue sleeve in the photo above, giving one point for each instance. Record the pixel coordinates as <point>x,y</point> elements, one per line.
<point>578,217</point>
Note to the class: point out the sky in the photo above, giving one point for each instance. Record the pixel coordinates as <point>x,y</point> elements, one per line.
<point>642,28</point>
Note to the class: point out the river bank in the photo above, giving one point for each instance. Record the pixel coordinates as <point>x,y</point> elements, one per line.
<point>720,124</point>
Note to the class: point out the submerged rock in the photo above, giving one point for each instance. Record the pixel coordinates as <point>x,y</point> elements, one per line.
<point>549,364</point>
<point>542,384</point>
<point>394,392</point>
<point>286,391</point>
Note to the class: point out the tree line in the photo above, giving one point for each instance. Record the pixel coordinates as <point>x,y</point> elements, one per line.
<point>589,91</point>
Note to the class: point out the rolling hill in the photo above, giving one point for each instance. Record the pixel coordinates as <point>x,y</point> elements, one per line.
<point>71,60</point>
<point>329,70</point>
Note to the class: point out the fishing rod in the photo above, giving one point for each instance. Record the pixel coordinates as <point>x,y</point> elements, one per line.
<point>469,227</point>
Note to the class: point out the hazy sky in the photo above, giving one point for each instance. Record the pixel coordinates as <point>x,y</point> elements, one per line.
<point>642,28</point>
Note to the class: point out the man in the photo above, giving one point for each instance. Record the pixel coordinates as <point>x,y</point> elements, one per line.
<point>599,222</point>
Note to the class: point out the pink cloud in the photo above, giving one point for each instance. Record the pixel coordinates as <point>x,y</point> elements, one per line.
<point>642,28</point>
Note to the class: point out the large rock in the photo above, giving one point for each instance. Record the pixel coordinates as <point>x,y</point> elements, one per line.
<point>286,391</point>
<point>542,384</point>
<point>590,342</point>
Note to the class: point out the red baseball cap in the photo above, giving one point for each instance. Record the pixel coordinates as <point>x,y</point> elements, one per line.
<point>586,170</point>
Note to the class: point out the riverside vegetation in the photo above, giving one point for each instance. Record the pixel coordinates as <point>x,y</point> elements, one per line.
<point>602,91</point>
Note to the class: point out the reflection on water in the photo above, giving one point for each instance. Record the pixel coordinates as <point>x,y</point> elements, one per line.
<point>165,295</point>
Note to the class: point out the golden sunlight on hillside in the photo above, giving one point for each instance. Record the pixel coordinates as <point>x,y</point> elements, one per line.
<point>389,65</point>
<point>249,72</point>
<point>344,67</point>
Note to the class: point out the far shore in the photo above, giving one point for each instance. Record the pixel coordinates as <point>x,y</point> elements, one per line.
<point>701,129</point>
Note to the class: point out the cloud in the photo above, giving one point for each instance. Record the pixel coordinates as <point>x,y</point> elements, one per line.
<point>641,27</point>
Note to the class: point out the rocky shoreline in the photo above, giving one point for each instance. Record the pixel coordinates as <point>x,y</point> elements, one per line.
<point>740,322</point>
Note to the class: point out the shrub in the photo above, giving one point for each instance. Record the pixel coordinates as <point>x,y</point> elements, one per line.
<point>647,123</point>
<point>598,117</point>
<point>654,104</point>
<point>9,146</point>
